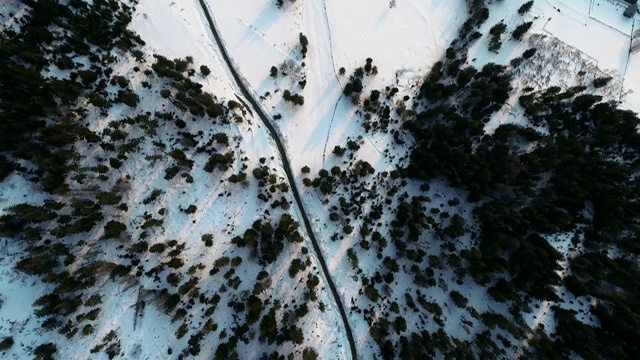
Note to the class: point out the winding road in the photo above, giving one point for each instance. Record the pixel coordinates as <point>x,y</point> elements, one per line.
<point>287,169</point>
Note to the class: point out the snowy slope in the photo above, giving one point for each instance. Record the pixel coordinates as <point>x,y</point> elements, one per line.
<point>223,209</point>
<point>578,41</point>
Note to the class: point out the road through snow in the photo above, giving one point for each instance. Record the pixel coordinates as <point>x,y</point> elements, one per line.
<point>287,168</point>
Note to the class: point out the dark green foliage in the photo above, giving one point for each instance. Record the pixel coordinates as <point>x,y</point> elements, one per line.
<point>529,53</point>
<point>496,33</point>
<point>525,7</point>
<point>353,87</point>
<point>171,172</point>
<point>139,247</point>
<point>309,354</point>
<point>219,161</point>
<point>304,43</point>
<point>268,327</point>
<point>157,248</point>
<point>207,239</point>
<point>6,167</point>
<point>601,82</point>
<point>295,99</point>
<point>458,299</point>
<point>114,229</point>
<point>45,351</point>
<point>37,264</point>
<point>152,197</point>
<point>520,30</point>
<point>6,343</point>
<point>531,196</point>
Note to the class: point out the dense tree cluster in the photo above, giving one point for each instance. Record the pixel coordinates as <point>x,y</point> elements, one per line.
<point>578,179</point>
<point>37,123</point>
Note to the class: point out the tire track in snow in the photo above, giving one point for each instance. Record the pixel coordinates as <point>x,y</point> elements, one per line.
<point>287,169</point>
<point>335,73</point>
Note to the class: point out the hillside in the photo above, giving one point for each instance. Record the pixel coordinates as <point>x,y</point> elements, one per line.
<point>283,179</point>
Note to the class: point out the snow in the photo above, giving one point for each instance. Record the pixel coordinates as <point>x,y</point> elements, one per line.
<point>404,39</point>
<point>11,12</point>
<point>18,291</point>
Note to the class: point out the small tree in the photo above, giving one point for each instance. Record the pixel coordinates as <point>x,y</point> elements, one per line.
<point>600,82</point>
<point>204,70</point>
<point>296,99</point>
<point>521,30</point>
<point>6,343</point>
<point>338,151</point>
<point>496,33</point>
<point>207,239</point>
<point>309,354</point>
<point>458,299</point>
<point>525,7</point>
<point>529,53</point>
<point>304,42</point>
<point>113,229</point>
<point>353,87</point>
<point>45,351</point>
<point>274,72</point>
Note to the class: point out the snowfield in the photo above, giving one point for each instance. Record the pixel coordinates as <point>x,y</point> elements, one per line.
<point>578,41</point>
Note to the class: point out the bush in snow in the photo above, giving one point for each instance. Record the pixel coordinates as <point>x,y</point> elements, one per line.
<point>521,30</point>
<point>295,99</point>
<point>525,7</point>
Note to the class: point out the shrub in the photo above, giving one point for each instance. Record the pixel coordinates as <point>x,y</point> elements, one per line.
<point>171,172</point>
<point>6,343</point>
<point>375,95</point>
<point>529,53</point>
<point>458,299</point>
<point>600,82</point>
<point>139,247</point>
<point>309,354</point>
<point>115,163</point>
<point>113,229</point>
<point>354,86</point>
<point>525,7</point>
<point>152,197</point>
<point>295,99</point>
<point>175,263</point>
<point>207,239</point>
<point>521,30</point>
<point>45,351</point>
<point>157,248</point>
<point>304,42</point>
<point>496,32</point>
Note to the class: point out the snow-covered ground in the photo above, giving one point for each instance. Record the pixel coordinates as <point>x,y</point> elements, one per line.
<point>11,11</point>
<point>404,39</point>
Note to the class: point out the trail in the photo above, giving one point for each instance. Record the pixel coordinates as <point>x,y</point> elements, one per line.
<point>287,169</point>
<point>329,40</point>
